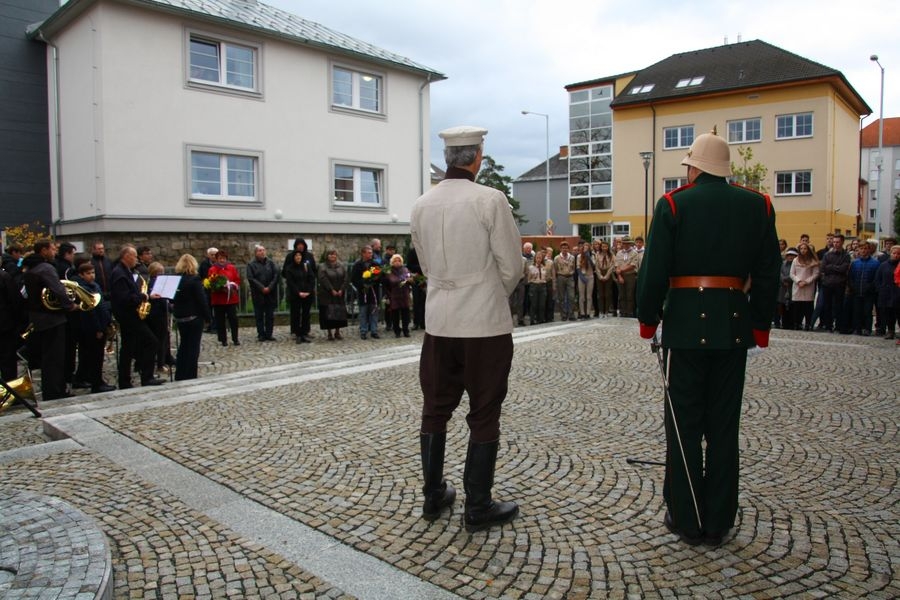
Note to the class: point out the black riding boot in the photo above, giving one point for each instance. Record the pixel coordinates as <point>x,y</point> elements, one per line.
<point>481,511</point>
<point>438,493</point>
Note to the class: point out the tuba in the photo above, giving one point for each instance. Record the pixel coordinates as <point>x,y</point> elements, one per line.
<point>143,308</point>
<point>82,298</point>
<point>22,386</point>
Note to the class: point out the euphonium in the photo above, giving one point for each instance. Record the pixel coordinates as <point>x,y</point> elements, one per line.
<point>21,386</point>
<point>82,298</point>
<point>143,308</point>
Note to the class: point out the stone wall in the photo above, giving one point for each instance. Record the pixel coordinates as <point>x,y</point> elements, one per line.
<point>168,247</point>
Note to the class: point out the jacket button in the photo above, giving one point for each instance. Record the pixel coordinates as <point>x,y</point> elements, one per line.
<point>700,289</point>
<point>702,315</point>
<point>736,315</point>
<point>737,340</point>
<point>702,341</point>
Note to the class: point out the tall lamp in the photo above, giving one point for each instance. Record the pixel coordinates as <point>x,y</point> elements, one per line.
<point>547,175</point>
<point>646,157</point>
<point>874,58</point>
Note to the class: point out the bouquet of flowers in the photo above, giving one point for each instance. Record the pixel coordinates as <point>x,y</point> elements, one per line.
<point>215,283</point>
<point>419,280</point>
<point>371,276</point>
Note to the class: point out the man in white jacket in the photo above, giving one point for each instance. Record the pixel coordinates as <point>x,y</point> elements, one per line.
<point>469,248</point>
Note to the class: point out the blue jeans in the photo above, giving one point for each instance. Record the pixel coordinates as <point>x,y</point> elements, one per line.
<point>368,318</point>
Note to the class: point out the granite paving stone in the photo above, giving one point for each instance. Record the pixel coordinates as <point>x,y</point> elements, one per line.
<point>325,434</point>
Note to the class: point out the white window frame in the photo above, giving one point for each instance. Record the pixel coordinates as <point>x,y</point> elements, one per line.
<point>673,183</point>
<point>224,199</point>
<point>743,139</point>
<point>680,144</point>
<point>358,169</point>
<point>222,42</point>
<point>357,77</point>
<point>793,182</point>
<point>690,81</point>
<point>793,135</point>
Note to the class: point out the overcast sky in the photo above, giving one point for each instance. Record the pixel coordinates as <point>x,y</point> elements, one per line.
<point>503,56</point>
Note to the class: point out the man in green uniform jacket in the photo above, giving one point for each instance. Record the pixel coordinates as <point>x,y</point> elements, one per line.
<point>710,322</point>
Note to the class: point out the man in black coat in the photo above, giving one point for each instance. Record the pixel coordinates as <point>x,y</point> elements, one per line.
<point>47,342</point>
<point>138,341</point>
<point>262,276</point>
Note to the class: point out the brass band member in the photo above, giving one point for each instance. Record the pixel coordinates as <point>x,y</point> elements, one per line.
<point>138,342</point>
<point>47,342</point>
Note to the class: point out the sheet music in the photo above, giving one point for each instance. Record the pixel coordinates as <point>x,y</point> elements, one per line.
<point>166,286</point>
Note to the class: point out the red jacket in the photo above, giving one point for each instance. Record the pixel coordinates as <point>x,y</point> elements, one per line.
<point>231,293</point>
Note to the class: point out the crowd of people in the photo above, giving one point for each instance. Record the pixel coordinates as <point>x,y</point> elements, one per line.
<point>853,290</point>
<point>69,340</point>
<point>591,280</point>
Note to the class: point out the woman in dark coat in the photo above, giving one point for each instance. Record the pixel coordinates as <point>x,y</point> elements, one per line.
<point>191,311</point>
<point>332,295</point>
<point>398,279</point>
<point>300,276</point>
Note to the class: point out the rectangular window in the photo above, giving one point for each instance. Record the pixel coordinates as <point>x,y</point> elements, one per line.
<point>224,177</point>
<point>356,90</point>
<point>224,64</point>
<point>673,183</point>
<point>793,183</point>
<point>357,186</point>
<point>794,126</point>
<point>678,137</point>
<point>747,130</point>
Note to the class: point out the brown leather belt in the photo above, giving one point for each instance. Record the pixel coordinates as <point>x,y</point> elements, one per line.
<point>706,281</point>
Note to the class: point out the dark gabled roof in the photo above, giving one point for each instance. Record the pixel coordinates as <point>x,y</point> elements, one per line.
<point>729,68</point>
<point>437,173</point>
<point>559,168</point>
<point>255,16</point>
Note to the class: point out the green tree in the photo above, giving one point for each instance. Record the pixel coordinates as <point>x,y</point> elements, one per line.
<point>584,232</point>
<point>491,175</point>
<point>749,175</point>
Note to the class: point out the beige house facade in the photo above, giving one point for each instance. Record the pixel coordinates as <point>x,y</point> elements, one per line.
<point>799,119</point>
<point>173,117</point>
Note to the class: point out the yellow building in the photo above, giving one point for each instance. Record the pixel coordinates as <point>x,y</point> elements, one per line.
<point>628,134</point>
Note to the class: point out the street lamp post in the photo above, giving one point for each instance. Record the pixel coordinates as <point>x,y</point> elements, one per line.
<point>547,164</point>
<point>646,157</point>
<point>874,58</point>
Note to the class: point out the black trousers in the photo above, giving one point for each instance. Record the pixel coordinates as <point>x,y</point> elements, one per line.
<point>706,388</point>
<point>223,312</point>
<point>418,295</point>
<point>189,338</point>
<point>479,366</point>
<point>300,319</point>
<point>138,344</point>
<point>91,352</point>
<point>50,346</point>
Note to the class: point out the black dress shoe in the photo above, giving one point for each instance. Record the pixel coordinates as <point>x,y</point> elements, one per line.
<point>689,538</point>
<point>375,336</point>
<point>102,388</point>
<point>236,343</point>
<point>80,385</point>
<point>715,539</point>
<point>154,381</point>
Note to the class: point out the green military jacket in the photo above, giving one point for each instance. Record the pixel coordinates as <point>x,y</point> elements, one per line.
<point>710,228</point>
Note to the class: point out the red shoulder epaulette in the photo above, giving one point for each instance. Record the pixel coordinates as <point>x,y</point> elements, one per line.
<point>671,200</point>
<point>758,193</point>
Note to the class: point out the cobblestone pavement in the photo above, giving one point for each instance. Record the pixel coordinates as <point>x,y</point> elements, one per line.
<point>335,447</point>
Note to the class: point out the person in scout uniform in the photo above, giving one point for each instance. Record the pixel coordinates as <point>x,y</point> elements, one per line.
<point>709,323</point>
<point>468,246</point>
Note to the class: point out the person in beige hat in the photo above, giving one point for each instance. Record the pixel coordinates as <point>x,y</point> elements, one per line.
<point>710,322</point>
<point>468,246</point>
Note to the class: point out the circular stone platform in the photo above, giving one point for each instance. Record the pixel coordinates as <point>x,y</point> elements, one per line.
<point>50,549</point>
